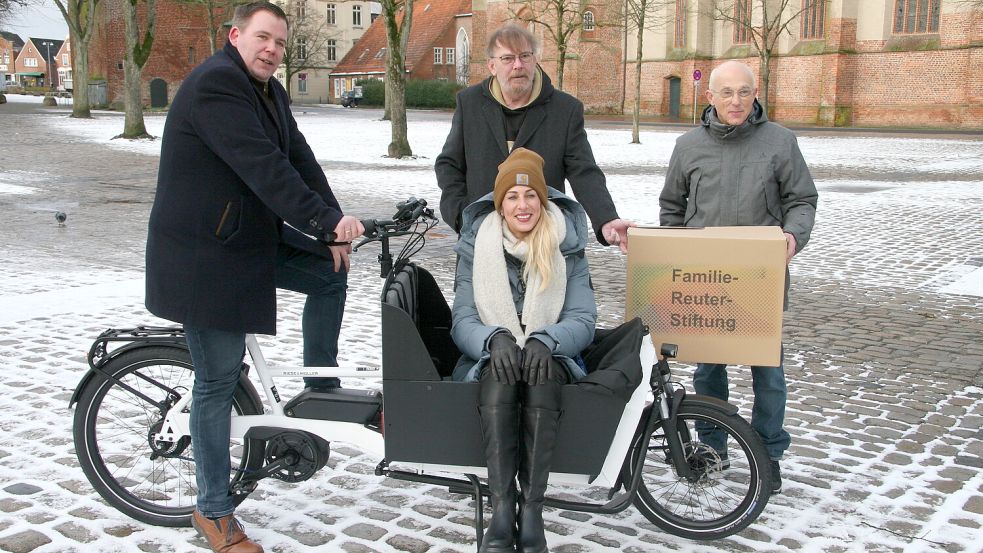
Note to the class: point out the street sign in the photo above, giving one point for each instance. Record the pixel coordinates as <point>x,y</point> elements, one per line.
<point>697,75</point>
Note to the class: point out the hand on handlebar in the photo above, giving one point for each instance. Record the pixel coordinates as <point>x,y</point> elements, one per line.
<point>536,364</point>
<point>505,358</point>
<point>348,229</point>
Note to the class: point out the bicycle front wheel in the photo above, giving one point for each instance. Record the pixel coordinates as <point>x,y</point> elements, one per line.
<point>727,490</point>
<point>152,482</point>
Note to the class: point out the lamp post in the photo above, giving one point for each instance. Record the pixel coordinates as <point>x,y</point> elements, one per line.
<point>47,61</point>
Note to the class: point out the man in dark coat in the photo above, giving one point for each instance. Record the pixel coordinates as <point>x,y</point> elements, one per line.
<point>233,168</point>
<point>517,106</point>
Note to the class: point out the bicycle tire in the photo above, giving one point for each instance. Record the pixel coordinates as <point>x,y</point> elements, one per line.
<point>724,500</point>
<point>111,431</point>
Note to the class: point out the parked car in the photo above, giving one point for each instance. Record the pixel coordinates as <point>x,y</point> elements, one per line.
<point>350,99</point>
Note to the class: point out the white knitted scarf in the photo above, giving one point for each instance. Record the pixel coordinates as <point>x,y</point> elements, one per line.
<point>492,294</point>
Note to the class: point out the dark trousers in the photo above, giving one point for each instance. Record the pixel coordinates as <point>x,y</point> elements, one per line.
<point>217,356</point>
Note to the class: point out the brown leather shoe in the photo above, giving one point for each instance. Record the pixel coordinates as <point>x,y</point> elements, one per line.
<point>224,535</point>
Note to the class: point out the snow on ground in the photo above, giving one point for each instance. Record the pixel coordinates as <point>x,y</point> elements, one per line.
<point>868,230</point>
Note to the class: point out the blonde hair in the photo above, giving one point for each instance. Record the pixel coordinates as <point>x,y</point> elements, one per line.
<point>543,241</point>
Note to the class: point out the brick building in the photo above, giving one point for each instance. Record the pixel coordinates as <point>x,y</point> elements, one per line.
<point>340,24</point>
<point>37,62</point>
<point>64,67</point>
<point>180,44</point>
<point>843,63</point>
<point>850,62</point>
<point>438,47</point>
<point>594,60</point>
<point>10,46</point>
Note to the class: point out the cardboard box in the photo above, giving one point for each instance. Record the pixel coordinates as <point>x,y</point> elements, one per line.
<point>715,292</point>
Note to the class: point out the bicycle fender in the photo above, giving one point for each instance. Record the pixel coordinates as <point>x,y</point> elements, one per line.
<point>94,373</point>
<point>711,402</point>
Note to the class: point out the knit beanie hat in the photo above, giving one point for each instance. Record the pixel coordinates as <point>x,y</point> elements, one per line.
<point>522,168</point>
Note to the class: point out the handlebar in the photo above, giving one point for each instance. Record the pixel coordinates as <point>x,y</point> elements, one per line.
<point>407,213</point>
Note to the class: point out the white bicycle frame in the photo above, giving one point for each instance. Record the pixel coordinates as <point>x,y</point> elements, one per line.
<point>176,423</point>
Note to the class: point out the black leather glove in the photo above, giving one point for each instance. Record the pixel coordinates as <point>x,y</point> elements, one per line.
<point>536,362</point>
<point>505,358</point>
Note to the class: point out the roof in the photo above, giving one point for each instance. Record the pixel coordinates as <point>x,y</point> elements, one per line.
<point>431,19</point>
<point>12,38</point>
<point>42,49</point>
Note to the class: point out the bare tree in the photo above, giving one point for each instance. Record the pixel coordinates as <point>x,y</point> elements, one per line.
<point>642,15</point>
<point>9,7</point>
<point>80,16</point>
<point>307,42</point>
<point>213,10</point>
<point>762,23</point>
<point>561,19</point>
<point>397,36</point>
<point>138,47</point>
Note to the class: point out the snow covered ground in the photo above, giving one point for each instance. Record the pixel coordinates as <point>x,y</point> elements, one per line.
<point>896,213</point>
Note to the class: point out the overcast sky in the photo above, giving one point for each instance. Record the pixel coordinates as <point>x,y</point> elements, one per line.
<point>42,21</point>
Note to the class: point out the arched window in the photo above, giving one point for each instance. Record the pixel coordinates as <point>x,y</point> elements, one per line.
<point>463,63</point>
<point>588,21</point>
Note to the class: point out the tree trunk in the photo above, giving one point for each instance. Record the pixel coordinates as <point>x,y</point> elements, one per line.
<point>637,109</point>
<point>135,56</point>
<point>133,126</point>
<point>80,80</point>
<point>212,28</point>
<point>763,68</point>
<point>79,15</point>
<point>561,60</point>
<point>396,91</point>
<point>764,53</point>
<point>397,37</point>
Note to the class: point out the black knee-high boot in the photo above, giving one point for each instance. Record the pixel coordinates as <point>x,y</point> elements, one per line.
<point>499,427</point>
<point>539,428</point>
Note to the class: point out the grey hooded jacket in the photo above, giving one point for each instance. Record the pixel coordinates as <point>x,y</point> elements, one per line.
<point>574,330</point>
<point>743,175</point>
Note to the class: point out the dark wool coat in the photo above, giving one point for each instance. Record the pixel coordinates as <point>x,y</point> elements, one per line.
<point>231,172</point>
<point>553,128</point>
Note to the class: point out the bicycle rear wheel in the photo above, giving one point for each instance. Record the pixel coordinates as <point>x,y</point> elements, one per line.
<point>113,428</point>
<point>729,489</point>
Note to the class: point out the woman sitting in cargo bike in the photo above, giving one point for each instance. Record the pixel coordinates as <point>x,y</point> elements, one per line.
<point>523,310</point>
<point>627,425</point>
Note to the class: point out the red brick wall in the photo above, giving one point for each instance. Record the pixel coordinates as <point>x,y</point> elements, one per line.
<point>425,67</point>
<point>179,27</point>
<point>478,37</point>
<point>878,83</point>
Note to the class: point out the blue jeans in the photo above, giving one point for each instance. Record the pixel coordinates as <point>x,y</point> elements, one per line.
<point>767,414</point>
<point>217,356</point>
<point>326,291</point>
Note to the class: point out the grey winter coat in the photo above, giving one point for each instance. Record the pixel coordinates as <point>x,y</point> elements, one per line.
<point>574,330</point>
<point>746,175</point>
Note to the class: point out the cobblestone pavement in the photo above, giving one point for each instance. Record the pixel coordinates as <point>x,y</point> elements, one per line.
<point>885,377</point>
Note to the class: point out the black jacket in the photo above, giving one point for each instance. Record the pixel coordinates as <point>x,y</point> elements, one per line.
<point>553,128</point>
<point>230,174</point>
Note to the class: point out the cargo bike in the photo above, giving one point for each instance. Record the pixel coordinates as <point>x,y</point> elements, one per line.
<point>640,446</point>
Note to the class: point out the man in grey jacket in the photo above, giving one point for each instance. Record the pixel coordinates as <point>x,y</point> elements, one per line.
<point>740,169</point>
<point>517,106</point>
